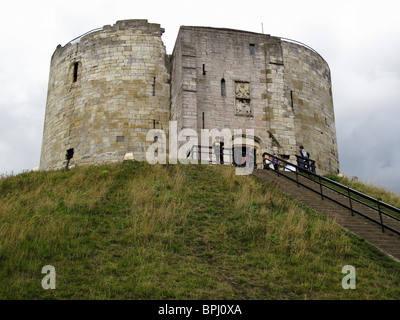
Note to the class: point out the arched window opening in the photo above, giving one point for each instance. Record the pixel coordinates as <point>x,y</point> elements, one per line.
<point>252,48</point>
<point>223,88</point>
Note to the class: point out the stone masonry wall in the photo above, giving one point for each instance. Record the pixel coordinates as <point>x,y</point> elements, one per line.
<point>309,83</point>
<point>106,90</point>
<point>280,89</point>
<point>207,56</point>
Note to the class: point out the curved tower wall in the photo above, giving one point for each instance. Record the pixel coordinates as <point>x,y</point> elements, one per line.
<point>106,90</point>
<point>309,81</point>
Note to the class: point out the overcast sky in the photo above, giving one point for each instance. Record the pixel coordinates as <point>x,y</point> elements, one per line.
<point>360,40</point>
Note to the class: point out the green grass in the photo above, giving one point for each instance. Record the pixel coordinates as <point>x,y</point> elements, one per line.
<point>137,231</point>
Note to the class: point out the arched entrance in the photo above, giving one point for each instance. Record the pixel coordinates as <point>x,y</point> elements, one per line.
<point>246,149</point>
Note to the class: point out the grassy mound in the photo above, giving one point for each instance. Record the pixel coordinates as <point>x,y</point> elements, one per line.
<point>140,231</point>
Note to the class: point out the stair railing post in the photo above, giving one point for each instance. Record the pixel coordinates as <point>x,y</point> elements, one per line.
<point>351,203</point>
<point>320,188</point>
<point>277,167</point>
<point>199,153</point>
<point>380,216</point>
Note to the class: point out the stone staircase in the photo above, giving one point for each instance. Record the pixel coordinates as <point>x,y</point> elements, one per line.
<point>388,241</point>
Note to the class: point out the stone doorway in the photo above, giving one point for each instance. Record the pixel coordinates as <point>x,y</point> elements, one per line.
<point>242,145</point>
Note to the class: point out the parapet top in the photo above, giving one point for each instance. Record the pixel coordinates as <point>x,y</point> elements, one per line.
<point>142,24</point>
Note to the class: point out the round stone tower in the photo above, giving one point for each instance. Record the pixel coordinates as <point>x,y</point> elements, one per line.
<point>106,90</point>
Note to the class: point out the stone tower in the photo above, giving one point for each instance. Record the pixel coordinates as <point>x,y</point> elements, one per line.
<point>106,90</point>
<point>237,79</point>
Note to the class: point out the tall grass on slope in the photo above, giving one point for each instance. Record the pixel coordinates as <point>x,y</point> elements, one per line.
<point>136,231</point>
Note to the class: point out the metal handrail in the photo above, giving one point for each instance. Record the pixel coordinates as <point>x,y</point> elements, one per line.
<point>319,179</point>
<point>307,161</point>
<point>86,33</point>
<point>209,150</point>
<point>302,44</point>
<point>312,176</point>
<point>363,195</point>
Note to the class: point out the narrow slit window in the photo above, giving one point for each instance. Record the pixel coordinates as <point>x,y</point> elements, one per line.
<point>156,124</point>
<point>154,86</point>
<point>291,100</point>
<point>204,70</point>
<point>75,76</point>
<point>223,88</point>
<point>252,48</point>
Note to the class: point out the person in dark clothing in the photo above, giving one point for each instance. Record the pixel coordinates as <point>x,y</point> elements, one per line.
<point>218,147</point>
<point>266,161</point>
<point>275,163</point>
<point>304,154</point>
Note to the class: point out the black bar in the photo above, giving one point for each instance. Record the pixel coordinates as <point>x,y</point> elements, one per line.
<point>351,204</point>
<point>380,216</point>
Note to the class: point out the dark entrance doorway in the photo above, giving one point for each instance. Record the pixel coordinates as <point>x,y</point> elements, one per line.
<point>239,155</point>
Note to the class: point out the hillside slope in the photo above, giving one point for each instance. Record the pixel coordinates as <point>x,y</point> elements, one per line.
<point>136,231</point>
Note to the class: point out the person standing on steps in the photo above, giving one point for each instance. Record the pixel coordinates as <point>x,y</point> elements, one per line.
<point>218,147</point>
<point>304,155</point>
<point>275,162</point>
<point>221,153</point>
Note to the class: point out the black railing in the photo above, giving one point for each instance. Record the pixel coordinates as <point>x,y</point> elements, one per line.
<point>207,154</point>
<point>356,200</point>
<point>86,33</point>
<point>302,44</point>
<point>305,163</point>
